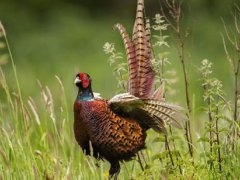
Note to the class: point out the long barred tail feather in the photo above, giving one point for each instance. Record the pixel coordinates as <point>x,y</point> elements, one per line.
<point>139,54</point>
<point>159,93</point>
<point>148,30</point>
<point>131,56</point>
<point>143,50</point>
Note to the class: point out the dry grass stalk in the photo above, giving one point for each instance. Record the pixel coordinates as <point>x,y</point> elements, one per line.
<point>174,9</point>
<point>233,39</point>
<point>33,108</point>
<point>47,99</point>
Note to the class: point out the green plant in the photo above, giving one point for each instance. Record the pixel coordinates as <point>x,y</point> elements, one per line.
<point>119,68</point>
<point>214,97</point>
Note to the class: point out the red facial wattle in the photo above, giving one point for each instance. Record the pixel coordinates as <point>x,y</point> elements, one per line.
<point>85,80</point>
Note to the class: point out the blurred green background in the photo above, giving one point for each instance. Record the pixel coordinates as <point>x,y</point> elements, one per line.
<point>62,37</point>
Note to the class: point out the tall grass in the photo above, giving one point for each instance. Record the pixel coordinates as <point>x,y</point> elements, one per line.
<point>37,140</point>
<point>36,137</point>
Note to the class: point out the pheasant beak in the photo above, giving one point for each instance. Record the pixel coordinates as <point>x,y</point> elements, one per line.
<point>77,81</point>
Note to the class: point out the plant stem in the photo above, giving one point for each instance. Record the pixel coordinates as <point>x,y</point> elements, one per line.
<point>141,153</point>
<point>187,124</point>
<point>140,162</point>
<point>168,149</point>
<point>235,112</point>
<point>218,141</point>
<point>174,147</point>
<point>175,12</point>
<point>210,119</point>
<point>236,73</point>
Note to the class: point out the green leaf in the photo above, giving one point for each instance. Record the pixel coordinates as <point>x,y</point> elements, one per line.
<point>171,138</point>
<point>203,139</point>
<point>223,130</point>
<point>160,155</point>
<point>159,139</point>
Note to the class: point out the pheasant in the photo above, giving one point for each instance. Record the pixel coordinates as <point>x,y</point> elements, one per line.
<point>115,129</point>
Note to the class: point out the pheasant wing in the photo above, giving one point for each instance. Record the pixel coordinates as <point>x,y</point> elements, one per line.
<point>149,112</point>
<point>125,104</point>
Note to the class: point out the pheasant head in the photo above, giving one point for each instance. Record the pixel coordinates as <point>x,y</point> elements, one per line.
<point>83,82</point>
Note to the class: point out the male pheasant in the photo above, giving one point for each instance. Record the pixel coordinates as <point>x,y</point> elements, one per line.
<point>116,128</point>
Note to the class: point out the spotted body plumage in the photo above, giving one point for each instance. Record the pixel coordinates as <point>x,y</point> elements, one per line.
<point>113,137</point>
